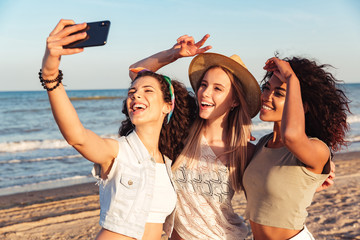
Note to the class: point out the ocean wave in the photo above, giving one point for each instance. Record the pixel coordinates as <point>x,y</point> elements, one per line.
<point>20,146</point>
<point>353,119</point>
<point>94,98</point>
<point>39,159</point>
<point>353,139</point>
<point>269,125</point>
<point>262,126</point>
<point>28,145</point>
<point>27,110</point>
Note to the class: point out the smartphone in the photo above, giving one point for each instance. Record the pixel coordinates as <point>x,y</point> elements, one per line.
<point>97,33</point>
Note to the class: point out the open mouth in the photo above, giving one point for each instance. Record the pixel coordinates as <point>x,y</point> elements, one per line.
<point>206,104</point>
<point>138,106</point>
<point>266,107</point>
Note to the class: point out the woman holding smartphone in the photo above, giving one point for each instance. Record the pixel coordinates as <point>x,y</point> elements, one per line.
<point>136,192</point>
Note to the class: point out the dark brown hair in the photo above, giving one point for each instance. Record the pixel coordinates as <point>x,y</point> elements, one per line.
<point>172,134</point>
<point>326,104</point>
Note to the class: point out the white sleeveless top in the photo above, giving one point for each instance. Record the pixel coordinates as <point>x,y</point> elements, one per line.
<point>164,197</point>
<point>204,209</point>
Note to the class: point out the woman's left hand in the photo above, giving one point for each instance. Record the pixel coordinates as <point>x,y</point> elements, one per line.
<point>280,68</point>
<point>187,47</point>
<point>330,180</point>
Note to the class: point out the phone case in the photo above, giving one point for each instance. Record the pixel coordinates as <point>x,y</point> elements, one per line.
<point>97,33</point>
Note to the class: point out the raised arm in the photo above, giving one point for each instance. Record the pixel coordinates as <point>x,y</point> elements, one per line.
<point>185,47</point>
<point>312,152</point>
<point>90,145</point>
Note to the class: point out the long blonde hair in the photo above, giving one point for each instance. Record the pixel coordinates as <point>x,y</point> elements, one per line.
<point>237,130</point>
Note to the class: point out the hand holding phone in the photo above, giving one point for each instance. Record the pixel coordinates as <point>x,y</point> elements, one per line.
<point>97,33</point>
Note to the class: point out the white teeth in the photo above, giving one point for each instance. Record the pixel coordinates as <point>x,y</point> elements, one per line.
<point>207,104</point>
<point>138,106</point>
<point>266,107</point>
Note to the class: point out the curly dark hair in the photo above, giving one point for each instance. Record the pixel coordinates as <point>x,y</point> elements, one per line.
<point>326,104</point>
<point>174,133</point>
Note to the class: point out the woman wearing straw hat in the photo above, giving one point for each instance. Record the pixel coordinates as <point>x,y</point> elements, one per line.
<point>209,170</point>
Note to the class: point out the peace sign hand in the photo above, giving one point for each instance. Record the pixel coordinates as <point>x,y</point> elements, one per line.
<point>187,47</point>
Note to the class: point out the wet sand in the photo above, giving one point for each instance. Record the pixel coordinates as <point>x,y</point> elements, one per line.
<point>73,212</point>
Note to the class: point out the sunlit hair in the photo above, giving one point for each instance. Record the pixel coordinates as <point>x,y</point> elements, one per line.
<point>237,131</point>
<point>172,134</point>
<point>325,103</point>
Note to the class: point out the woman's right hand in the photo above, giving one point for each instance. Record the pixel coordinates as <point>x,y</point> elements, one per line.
<point>187,47</point>
<point>282,69</point>
<point>59,37</point>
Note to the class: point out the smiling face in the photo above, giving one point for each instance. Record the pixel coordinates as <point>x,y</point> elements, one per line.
<point>145,102</point>
<point>272,100</point>
<point>215,95</point>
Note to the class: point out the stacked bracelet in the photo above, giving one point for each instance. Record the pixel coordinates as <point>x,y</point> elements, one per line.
<point>58,80</point>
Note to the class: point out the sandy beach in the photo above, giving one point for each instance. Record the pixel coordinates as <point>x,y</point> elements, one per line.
<point>73,212</point>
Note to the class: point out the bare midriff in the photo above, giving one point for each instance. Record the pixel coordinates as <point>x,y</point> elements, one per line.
<point>152,231</point>
<point>262,232</point>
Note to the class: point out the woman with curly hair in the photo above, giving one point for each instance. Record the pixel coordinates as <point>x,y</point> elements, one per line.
<point>133,171</point>
<point>309,115</point>
<point>174,130</point>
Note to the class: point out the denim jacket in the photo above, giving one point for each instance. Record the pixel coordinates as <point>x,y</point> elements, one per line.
<point>126,194</point>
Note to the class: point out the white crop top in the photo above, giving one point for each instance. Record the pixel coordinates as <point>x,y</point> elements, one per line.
<point>164,197</point>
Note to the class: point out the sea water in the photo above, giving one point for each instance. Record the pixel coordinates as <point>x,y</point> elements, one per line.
<point>34,155</point>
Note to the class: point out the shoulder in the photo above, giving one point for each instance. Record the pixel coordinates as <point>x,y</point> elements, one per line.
<point>121,140</point>
<point>263,140</point>
<point>321,147</point>
<point>116,141</point>
<point>250,150</point>
<point>314,153</point>
<point>113,144</point>
<point>116,144</point>
<point>167,159</point>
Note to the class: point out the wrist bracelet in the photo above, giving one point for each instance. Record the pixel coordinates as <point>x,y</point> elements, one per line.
<point>58,79</point>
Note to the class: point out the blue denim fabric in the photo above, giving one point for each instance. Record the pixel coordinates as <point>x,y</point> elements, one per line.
<point>126,194</point>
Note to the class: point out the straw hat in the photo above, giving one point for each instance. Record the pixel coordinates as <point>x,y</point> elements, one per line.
<point>202,62</point>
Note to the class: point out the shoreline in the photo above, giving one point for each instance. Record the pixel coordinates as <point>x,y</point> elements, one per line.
<point>72,212</point>
<point>43,186</point>
<point>46,186</point>
<point>48,195</point>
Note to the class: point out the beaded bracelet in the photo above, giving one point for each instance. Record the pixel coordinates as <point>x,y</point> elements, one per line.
<point>58,79</point>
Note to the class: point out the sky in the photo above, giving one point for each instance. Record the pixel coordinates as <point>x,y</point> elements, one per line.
<point>325,30</point>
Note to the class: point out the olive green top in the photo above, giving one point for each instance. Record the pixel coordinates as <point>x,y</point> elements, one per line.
<point>279,187</point>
